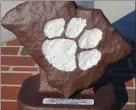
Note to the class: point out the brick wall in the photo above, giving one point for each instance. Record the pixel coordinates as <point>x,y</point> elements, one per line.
<point>15,68</point>
<point>17,65</point>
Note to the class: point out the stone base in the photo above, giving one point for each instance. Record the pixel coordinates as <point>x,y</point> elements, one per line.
<point>30,98</point>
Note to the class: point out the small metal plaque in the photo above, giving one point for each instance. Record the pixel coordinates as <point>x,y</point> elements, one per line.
<point>68,101</point>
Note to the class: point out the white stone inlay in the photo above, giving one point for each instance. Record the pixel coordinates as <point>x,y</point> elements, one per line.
<point>90,38</point>
<point>60,53</point>
<point>88,59</point>
<point>54,28</point>
<point>75,27</point>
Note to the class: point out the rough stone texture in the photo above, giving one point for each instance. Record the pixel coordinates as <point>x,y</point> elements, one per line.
<point>24,52</point>
<point>33,100</point>
<point>27,21</point>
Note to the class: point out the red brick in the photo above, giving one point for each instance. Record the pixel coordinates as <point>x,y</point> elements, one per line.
<point>129,83</point>
<point>9,106</point>
<point>24,69</point>
<point>9,50</point>
<point>4,68</point>
<point>13,78</point>
<point>17,61</point>
<point>12,95</point>
<point>13,43</point>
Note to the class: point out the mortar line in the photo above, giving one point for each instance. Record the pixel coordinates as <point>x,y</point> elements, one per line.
<point>10,85</point>
<point>131,103</point>
<point>19,51</point>
<point>5,100</point>
<point>10,69</point>
<point>134,82</point>
<point>18,66</point>
<point>17,56</point>
<point>11,46</point>
<point>130,88</point>
<point>20,72</point>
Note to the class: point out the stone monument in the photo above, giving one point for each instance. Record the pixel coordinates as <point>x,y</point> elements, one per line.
<point>72,46</point>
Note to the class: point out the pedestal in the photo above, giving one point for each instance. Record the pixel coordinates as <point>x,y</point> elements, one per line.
<point>30,98</point>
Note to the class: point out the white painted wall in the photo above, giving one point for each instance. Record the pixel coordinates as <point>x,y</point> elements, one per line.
<point>5,7</point>
<point>114,10</point>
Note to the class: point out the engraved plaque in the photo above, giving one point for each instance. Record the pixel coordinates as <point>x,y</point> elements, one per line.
<point>68,101</point>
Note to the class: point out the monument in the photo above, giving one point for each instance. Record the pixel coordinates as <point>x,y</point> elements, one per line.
<point>72,46</point>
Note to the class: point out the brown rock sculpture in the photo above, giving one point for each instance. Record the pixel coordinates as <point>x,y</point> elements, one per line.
<point>34,25</point>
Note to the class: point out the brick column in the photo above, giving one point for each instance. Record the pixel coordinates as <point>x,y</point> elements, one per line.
<point>15,68</point>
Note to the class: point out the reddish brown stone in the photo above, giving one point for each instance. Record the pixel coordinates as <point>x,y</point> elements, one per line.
<point>30,32</point>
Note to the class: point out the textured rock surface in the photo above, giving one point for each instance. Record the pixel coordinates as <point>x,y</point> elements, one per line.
<point>27,22</point>
<point>33,100</point>
<point>60,52</point>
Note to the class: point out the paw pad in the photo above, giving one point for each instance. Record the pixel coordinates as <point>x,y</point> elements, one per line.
<point>62,53</point>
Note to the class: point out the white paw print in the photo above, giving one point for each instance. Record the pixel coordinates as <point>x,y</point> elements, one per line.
<point>61,52</point>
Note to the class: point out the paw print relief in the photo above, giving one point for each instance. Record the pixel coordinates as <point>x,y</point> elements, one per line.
<point>61,52</point>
